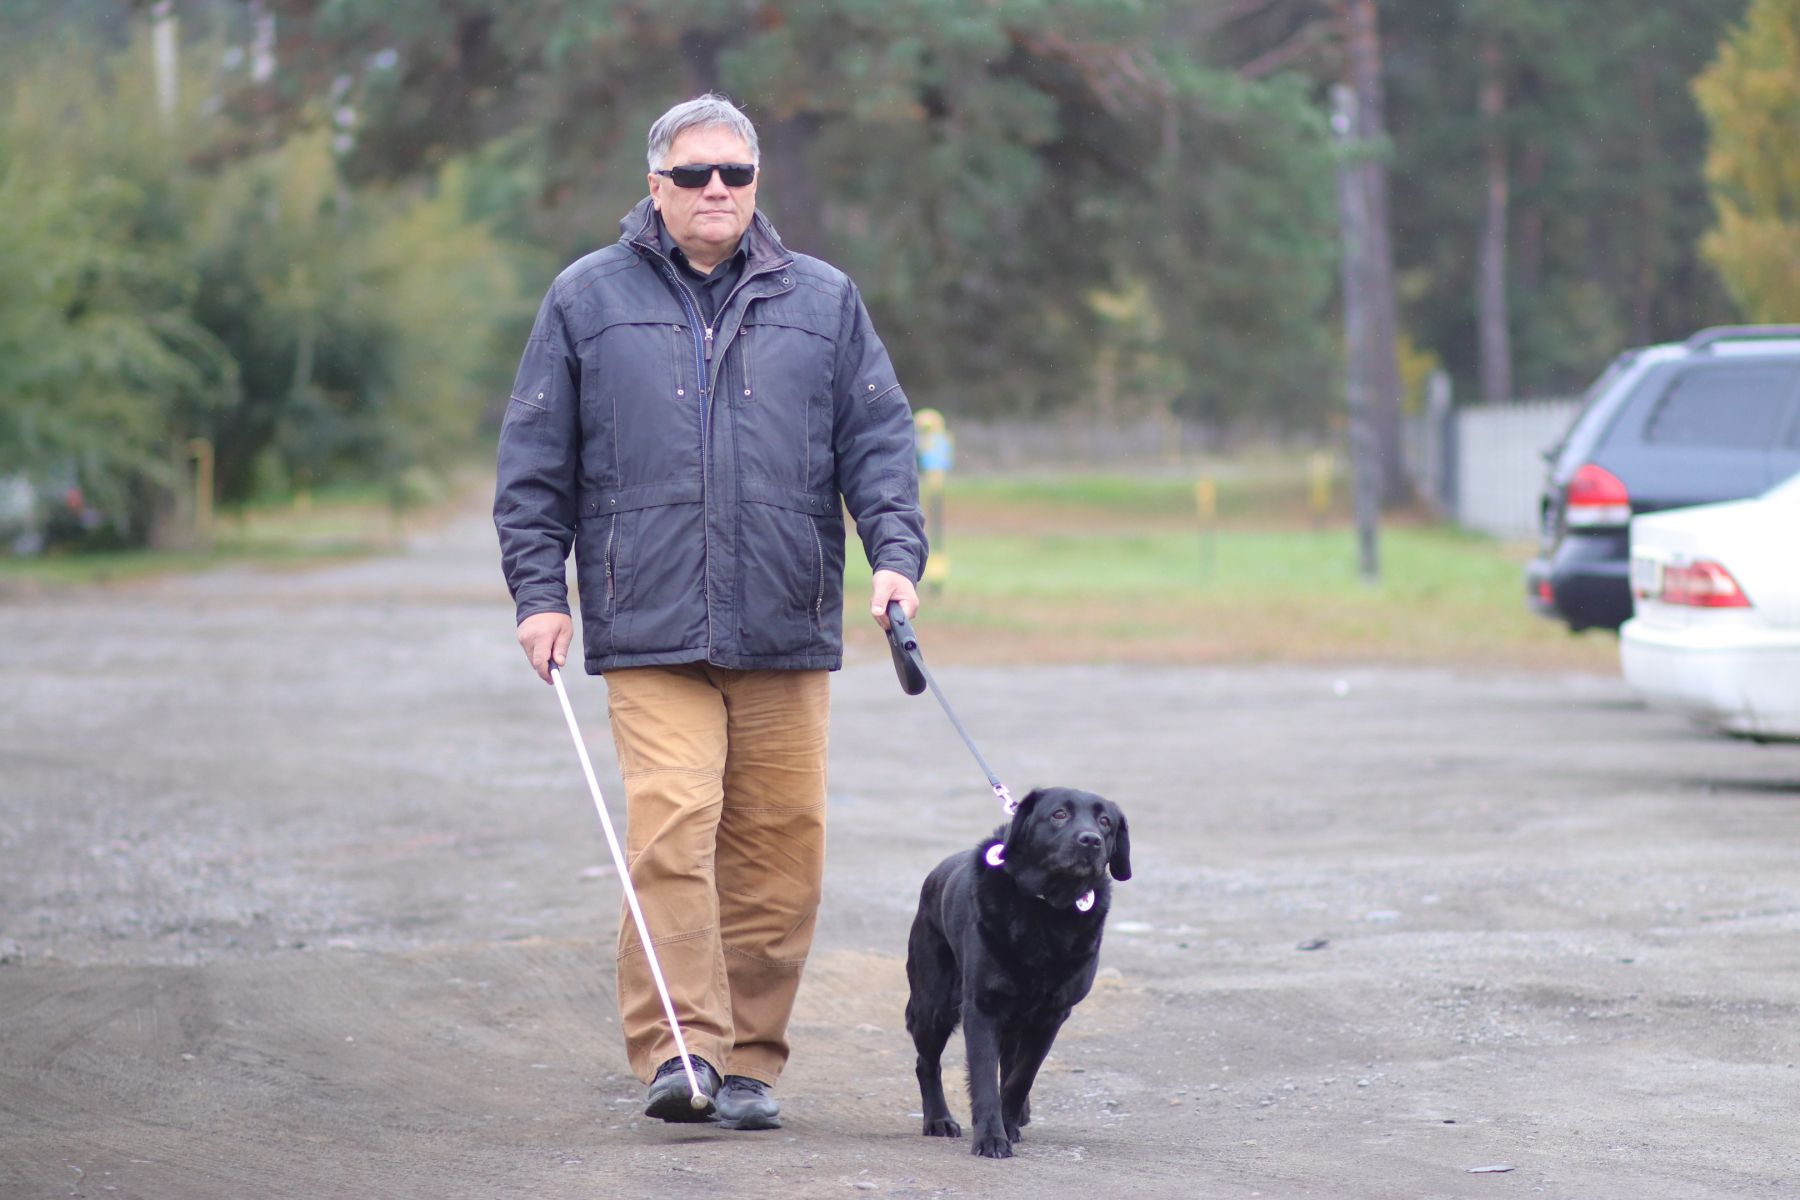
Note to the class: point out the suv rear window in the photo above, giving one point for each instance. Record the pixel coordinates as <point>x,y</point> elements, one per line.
<point>1736,406</point>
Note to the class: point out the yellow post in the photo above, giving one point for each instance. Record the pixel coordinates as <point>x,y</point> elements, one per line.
<point>936,452</point>
<point>1206,499</point>
<point>1318,472</point>
<point>1206,504</point>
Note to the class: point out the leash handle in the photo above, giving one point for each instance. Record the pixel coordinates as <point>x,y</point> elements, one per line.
<point>909,664</point>
<point>915,676</point>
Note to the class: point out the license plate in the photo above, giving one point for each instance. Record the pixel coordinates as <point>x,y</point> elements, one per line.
<point>1646,576</point>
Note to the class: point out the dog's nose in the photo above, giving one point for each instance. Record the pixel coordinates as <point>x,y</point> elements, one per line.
<point>1089,838</point>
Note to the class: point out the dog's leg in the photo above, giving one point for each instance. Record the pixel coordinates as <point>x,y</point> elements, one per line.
<point>1009,1055</point>
<point>1033,1046</point>
<point>1009,1051</point>
<point>930,1036</point>
<point>933,1005</point>
<point>981,1037</point>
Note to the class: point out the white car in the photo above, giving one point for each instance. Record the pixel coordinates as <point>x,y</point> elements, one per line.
<point>1717,595</point>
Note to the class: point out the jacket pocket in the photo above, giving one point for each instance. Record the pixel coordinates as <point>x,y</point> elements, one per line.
<point>642,569</point>
<point>641,415</point>
<point>781,397</point>
<point>612,537</point>
<point>749,338</point>
<point>790,571</point>
<point>595,543</point>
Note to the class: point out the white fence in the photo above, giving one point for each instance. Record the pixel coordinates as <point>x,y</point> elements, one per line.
<point>1499,466</point>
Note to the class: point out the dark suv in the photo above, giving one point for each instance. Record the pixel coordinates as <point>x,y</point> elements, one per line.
<point>1716,417</point>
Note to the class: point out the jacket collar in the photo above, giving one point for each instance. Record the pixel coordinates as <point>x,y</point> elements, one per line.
<point>762,246</point>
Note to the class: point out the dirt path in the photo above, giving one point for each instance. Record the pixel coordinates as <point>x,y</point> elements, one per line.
<point>301,895</point>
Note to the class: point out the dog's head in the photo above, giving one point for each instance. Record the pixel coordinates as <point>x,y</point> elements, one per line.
<point>1063,841</point>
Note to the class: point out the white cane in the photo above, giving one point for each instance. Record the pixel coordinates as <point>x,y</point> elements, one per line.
<point>697,1098</point>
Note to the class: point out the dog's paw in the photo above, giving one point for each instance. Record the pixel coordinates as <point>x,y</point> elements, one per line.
<point>990,1145</point>
<point>1012,1133</point>
<point>942,1127</point>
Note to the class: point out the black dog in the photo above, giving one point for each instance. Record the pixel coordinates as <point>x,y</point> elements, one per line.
<point>1008,950</point>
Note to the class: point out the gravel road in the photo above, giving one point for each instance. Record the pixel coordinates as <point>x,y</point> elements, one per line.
<point>302,895</point>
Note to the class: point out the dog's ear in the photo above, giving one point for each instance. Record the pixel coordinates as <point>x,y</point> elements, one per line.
<point>1022,812</point>
<point>1120,863</point>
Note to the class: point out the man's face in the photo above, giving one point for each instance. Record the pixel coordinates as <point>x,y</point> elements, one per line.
<point>706,222</point>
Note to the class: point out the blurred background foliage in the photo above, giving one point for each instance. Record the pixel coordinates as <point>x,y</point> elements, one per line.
<point>1751,97</point>
<point>322,261</point>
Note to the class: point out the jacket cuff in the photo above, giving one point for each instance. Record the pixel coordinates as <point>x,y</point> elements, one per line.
<point>531,608</point>
<point>902,564</point>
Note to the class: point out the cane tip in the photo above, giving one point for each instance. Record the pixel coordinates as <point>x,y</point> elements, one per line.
<point>699,1101</point>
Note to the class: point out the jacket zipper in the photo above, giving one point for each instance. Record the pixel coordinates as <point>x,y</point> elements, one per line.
<point>611,534</point>
<point>819,594</point>
<point>703,353</point>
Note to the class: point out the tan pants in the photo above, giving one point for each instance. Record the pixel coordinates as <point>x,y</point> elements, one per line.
<point>725,797</point>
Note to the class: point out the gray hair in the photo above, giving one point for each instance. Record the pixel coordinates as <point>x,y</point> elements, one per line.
<point>702,112</point>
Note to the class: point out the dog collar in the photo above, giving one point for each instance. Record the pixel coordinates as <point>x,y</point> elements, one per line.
<point>996,856</point>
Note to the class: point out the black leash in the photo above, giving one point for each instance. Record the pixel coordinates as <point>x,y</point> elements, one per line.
<point>915,677</point>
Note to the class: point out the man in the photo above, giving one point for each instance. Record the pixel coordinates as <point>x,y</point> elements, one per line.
<point>691,405</point>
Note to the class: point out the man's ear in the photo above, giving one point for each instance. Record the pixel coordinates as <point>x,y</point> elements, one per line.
<point>1120,863</point>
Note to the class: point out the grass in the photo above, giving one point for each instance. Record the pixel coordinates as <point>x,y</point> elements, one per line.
<point>1076,567</point>
<point>327,526</point>
<point>1118,568</point>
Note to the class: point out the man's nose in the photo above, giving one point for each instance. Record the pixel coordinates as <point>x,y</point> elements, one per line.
<point>715,185</point>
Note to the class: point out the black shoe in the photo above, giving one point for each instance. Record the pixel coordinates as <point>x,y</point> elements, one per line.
<point>671,1100</point>
<point>745,1103</point>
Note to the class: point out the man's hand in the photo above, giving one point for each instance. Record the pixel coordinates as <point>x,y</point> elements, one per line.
<point>892,585</point>
<point>545,637</point>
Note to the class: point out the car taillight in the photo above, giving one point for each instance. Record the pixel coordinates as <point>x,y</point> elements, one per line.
<point>1701,584</point>
<point>1596,497</point>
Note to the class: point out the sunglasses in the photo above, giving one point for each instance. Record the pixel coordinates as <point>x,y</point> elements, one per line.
<point>698,175</point>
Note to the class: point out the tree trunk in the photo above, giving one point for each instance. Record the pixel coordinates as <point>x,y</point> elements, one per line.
<point>1528,263</point>
<point>790,186</point>
<point>165,42</point>
<point>1652,206</point>
<point>1353,217</point>
<point>1362,40</point>
<point>700,50</point>
<point>1495,345</point>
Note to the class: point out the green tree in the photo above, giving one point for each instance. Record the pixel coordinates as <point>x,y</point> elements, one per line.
<point>365,320</point>
<point>1751,97</point>
<point>170,279</point>
<point>994,175</point>
<point>1601,146</point>
<point>104,373</point>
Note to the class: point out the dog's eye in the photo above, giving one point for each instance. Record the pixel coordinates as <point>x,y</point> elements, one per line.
<point>1061,814</point>
<point>1105,821</point>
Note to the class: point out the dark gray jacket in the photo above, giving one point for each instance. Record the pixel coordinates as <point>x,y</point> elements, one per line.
<point>697,471</point>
